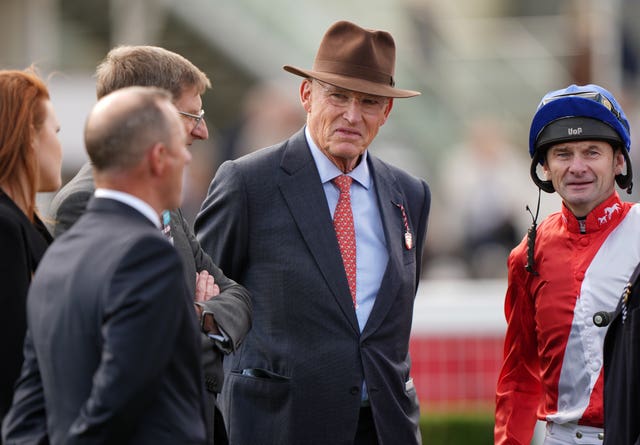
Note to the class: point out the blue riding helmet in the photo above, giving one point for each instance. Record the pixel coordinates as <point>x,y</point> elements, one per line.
<point>587,112</point>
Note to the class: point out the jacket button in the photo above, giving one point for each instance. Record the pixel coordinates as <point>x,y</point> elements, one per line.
<point>601,436</point>
<point>354,390</point>
<point>579,435</point>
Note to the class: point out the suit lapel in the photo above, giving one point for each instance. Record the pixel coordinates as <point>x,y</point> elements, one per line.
<point>388,196</point>
<point>181,244</point>
<point>302,190</point>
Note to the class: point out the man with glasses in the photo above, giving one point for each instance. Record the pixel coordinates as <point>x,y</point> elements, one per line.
<point>197,118</point>
<point>227,317</point>
<point>328,239</point>
<point>574,264</point>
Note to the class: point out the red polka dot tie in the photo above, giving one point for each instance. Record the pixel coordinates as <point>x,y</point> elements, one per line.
<point>343,223</point>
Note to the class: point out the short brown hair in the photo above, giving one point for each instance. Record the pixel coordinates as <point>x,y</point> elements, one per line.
<point>126,66</point>
<point>22,114</point>
<point>119,143</point>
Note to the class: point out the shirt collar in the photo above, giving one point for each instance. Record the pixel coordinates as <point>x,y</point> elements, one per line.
<point>131,201</point>
<point>601,216</point>
<point>328,170</point>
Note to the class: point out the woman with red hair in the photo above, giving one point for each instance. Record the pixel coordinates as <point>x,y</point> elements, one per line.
<point>30,162</point>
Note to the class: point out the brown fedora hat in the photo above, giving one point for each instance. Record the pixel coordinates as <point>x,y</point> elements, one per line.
<point>356,59</point>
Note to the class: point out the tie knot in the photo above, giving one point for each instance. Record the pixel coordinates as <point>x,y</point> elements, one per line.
<point>343,182</point>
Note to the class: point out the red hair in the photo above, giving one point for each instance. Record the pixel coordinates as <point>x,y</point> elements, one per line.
<point>22,114</point>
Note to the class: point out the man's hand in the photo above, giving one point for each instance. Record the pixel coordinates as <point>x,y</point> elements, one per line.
<point>206,288</point>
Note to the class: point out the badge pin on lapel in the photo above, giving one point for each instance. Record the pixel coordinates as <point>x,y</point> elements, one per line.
<point>408,236</point>
<point>408,240</point>
<point>166,225</point>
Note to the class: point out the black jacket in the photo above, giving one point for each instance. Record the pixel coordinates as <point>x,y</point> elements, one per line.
<point>622,370</point>
<point>22,245</point>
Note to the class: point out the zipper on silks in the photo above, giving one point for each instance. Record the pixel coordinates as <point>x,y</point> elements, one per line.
<point>583,225</point>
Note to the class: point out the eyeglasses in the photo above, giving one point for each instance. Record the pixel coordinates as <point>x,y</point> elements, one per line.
<point>341,98</point>
<point>196,117</point>
<point>593,95</point>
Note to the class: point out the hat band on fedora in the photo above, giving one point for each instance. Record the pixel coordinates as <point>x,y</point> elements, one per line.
<point>357,71</point>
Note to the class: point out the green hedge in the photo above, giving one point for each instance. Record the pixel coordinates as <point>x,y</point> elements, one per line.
<point>457,429</point>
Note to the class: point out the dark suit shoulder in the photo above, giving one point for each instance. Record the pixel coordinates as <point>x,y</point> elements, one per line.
<point>119,233</point>
<point>117,216</point>
<point>249,172</point>
<point>258,168</point>
<point>273,154</point>
<point>263,158</point>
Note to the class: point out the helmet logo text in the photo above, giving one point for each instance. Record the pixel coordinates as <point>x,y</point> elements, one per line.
<point>574,131</point>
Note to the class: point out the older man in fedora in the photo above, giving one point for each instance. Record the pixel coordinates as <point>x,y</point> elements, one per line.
<point>328,240</point>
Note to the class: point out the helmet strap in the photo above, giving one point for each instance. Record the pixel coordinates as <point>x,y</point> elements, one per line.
<point>547,186</point>
<point>625,181</point>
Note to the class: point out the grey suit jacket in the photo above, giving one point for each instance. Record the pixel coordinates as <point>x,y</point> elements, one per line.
<point>231,308</point>
<point>297,378</point>
<point>112,346</point>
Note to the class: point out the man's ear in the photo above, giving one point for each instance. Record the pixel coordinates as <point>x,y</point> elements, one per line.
<point>546,171</point>
<point>387,110</point>
<point>157,157</point>
<point>619,162</point>
<point>305,94</point>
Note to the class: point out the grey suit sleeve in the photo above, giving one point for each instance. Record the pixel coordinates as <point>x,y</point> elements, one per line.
<point>231,309</point>
<point>202,260</point>
<point>66,211</point>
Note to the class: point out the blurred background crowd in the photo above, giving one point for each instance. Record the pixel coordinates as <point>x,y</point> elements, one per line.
<point>482,66</point>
